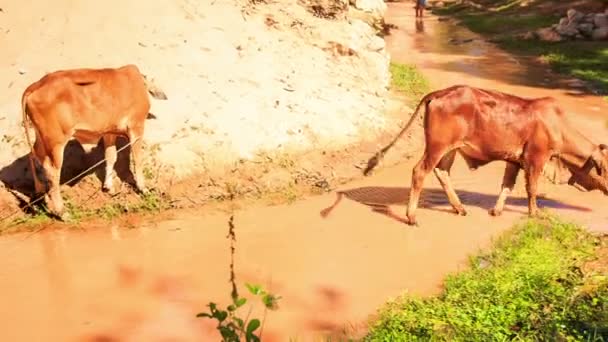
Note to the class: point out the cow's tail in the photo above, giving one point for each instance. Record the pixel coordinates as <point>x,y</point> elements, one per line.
<point>27,136</point>
<point>373,161</point>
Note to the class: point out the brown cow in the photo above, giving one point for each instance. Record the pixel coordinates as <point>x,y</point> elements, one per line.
<point>85,104</point>
<point>483,126</point>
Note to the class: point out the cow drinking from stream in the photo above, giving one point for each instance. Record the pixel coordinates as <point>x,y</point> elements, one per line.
<point>88,105</point>
<point>485,125</point>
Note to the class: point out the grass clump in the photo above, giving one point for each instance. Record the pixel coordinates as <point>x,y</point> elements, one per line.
<point>530,287</point>
<point>409,80</point>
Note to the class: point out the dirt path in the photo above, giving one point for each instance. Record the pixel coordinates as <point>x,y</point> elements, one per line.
<point>147,284</point>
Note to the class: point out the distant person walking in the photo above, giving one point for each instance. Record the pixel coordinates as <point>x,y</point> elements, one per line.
<point>420,4</point>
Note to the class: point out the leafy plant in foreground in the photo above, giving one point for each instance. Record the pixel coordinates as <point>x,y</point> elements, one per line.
<point>233,328</point>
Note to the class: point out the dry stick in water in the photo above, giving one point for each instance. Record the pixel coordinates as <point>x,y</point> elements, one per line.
<point>232,236</point>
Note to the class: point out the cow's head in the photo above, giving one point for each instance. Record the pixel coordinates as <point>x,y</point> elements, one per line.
<point>598,161</point>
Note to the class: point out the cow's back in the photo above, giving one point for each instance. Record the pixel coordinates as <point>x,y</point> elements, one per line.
<point>492,124</point>
<point>92,100</point>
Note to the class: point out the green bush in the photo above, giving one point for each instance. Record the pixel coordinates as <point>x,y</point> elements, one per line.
<point>530,287</point>
<point>409,80</point>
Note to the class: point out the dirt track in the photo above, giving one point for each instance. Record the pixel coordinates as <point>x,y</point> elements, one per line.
<point>147,284</point>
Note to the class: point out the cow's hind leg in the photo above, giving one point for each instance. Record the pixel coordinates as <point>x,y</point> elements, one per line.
<point>52,166</point>
<point>508,183</point>
<point>442,171</point>
<point>109,142</point>
<point>136,136</point>
<point>39,155</point>
<point>429,160</point>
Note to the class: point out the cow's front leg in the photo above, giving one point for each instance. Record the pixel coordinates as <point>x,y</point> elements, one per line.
<point>109,142</point>
<point>136,136</point>
<point>508,183</point>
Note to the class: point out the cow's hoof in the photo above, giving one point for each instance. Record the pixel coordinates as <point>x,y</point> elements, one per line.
<point>460,211</point>
<point>108,189</point>
<point>411,221</point>
<point>65,217</point>
<point>495,212</point>
<point>143,190</point>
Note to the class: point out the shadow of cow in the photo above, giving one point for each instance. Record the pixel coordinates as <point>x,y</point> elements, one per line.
<point>17,176</point>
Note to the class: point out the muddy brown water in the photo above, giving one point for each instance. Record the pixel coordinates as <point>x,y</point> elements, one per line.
<point>147,284</point>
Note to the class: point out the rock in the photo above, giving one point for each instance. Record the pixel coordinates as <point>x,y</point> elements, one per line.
<point>600,20</point>
<point>600,33</point>
<point>569,30</point>
<point>579,37</point>
<point>529,35</point>
<point>586,29</point>
<point>377,7</point>
<point>563,21</point>
<point>588,18</point>
<point>574,15</point>
<point>548,35</point>
<point>376,44</point>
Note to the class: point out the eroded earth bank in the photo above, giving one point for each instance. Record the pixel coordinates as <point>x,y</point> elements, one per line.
<point>145,280</point>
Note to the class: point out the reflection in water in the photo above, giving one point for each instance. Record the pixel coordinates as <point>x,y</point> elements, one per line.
<point>419,25</point>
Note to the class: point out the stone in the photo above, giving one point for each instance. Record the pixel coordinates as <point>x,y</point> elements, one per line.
<point>569,30</point>
<point>588,18</point>
<point>600,33</point>
<point>574,15</point>
<point>376,44</point>
<point>600,20</point>
<point>563,21</point>
<point>548,35</point>
<point>529,35</point>
<point>586,29</point>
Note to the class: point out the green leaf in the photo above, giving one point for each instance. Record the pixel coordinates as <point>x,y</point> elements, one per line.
<point>240,302</point>
<point>204,314</point>
<point>270,301</point>
<point>254,289</point>
<point>221,315</point>
<point>252,338</point>
<point>253,324</point>
<point>239,323</point>
<point>231,307</point>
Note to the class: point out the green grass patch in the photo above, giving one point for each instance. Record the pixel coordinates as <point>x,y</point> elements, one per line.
<point>582,59</point>
<point>504,20</point>
<point>409,80</point>
<point>147,203</point>
<point>486,24</point>
<point>530,287</point>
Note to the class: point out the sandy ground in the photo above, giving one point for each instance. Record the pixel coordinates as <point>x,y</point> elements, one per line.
<point>243,82</point>
<point>108,283</point>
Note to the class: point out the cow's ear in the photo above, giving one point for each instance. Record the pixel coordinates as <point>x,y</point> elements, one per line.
<point>597,159</point>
